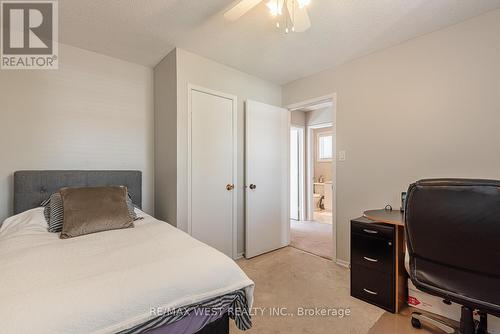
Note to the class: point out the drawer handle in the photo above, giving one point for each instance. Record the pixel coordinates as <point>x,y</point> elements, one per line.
<point>370,292</point>
<point>370,231</point>
<point>370,259</point>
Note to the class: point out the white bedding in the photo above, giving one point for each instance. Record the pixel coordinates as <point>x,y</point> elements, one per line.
<point>104,282</point>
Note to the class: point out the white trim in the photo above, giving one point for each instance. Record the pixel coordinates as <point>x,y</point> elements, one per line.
<point>334,181</point>
<point>245,163</point>
<point>343,263</point>
<point>302,175</point>
<point>239,256</point>
<point>236,189</point>
<point>302,179</point>
<point>310,168</point>
<point>309,177</point>
<point>313,101</point>
<point>321,125</point>
<point>288,227</point>
<point>309,102</point>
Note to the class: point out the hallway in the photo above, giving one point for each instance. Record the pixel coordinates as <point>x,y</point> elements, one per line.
<point>313,237</point>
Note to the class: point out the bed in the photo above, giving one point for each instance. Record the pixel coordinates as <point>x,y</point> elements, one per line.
<point>152,278</point>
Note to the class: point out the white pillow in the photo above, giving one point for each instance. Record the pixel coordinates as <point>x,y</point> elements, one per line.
<point>28,222</point>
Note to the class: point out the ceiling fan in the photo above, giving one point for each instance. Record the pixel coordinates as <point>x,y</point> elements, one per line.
<point>292,13</point>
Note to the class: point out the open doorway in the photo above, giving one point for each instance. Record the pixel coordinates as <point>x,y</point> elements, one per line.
<point>320,163</point>
<point>312,177</point>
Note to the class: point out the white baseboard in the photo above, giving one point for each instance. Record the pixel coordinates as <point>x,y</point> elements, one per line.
<point>240,256</point>
<point>343,263</point>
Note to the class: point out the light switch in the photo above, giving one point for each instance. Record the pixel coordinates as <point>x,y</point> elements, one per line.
<point>341,155</point>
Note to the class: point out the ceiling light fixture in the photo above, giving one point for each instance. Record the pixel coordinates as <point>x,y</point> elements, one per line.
<point>288,21</point>
<point>290,15</point>
<point>304,3</point>
<point>275,7</point>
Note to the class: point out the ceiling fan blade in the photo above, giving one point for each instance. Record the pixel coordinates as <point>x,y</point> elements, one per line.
<point>240,9</point>
<point>299,16</point>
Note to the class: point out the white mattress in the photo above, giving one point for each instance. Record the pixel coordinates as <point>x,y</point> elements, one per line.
<point>104,282</point>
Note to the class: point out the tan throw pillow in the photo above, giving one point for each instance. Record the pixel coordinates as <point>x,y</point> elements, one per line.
<point>94,209</point>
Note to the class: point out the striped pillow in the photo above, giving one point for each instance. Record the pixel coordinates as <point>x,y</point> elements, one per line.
<point>131,207</point>
<point>54,211</point>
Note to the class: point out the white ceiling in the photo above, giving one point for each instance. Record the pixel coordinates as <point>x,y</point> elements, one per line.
<point>144,31</point>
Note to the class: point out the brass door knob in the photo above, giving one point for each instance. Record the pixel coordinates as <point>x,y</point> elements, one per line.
<point>229,187</point>
<point>253,186</point>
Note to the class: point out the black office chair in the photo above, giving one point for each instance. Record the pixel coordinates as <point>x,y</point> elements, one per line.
<point>453,239</point>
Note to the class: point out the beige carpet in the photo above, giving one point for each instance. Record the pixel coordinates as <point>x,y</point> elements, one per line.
<point>289,278</point>
<point>323,217</point>
<point>312,237</point>
<point>390,323</point>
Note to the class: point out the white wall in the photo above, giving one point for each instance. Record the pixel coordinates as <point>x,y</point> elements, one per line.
<point>95,112</point>
<point>298,117</point>
<point>165,87</point>
<point>319,116</point>
<point>194,69</point>
<point>426,108</point>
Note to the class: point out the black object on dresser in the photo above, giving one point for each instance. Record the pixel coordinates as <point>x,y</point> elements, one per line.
<point>373,263</point>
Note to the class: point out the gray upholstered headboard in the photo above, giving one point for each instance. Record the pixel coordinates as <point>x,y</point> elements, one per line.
<point>32,187</point>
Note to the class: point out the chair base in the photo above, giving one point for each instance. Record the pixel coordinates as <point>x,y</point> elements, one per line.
<point>467,323</point>
<point>418,318</point>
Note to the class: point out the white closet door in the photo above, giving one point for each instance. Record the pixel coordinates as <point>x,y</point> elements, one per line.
<point>267,178</point>
<point>212,195</point>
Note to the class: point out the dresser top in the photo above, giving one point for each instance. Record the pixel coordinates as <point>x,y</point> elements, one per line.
<point>394,217</point>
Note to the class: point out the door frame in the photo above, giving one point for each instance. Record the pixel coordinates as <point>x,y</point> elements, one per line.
<point>234,99</point>
<point>302,181</point>
<point>315,101</point>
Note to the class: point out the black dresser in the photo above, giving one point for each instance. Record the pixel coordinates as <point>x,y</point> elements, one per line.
<point>377,263</point>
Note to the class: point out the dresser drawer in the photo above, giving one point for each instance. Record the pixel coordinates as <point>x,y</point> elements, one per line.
<point>373,253</point>
<point>373,287</point>
<point>373,230</point>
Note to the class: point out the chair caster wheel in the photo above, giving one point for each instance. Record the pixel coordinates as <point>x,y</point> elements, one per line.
<point>416,323</point>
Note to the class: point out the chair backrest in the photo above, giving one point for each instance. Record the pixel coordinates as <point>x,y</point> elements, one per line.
<point>453,238</point>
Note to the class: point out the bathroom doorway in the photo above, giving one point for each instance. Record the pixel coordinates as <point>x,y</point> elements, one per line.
<point>312,177</point>
<point>320,160</point>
